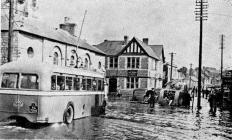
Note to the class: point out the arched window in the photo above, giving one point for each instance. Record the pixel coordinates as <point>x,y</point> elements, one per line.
<point>72,62</point>
<point>30,52</point>
<point>86,63</point>
<point>55,58</point>
<point>99,65</point>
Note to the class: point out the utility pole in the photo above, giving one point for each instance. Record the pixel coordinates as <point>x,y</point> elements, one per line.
<point>222,47</point>
<point>171,64</point>
<point>10,30</point>
<point>201,9</point>
<point>190,70</point>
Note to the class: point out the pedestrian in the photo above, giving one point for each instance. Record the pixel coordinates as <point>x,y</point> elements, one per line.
<point>212,101</point>
<point>151,95</point>
<point>118,91</point>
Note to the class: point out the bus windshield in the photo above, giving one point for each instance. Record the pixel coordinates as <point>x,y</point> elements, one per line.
<point>9,80</point>
<point>29,81</point>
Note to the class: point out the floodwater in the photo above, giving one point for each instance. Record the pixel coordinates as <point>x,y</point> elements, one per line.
<point>124,120</point>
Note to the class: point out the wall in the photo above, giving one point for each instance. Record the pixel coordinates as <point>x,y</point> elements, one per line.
<point>4,47</point>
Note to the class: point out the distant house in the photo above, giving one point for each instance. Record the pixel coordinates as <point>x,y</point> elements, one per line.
<point>167,73</point>
<point>133,64</point>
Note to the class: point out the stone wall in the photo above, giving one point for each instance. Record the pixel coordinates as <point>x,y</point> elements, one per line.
<point>4,47</point>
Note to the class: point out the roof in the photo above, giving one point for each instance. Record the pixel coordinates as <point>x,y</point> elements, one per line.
<point>147,49</point>
<point>116,47</point>
<point>41,29</point>
<point>84,45</point>
<point>111,47</point>
<point>32,65</point>
<point>158,49</point>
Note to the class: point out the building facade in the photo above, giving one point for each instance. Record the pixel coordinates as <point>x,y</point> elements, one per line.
<point>133,64</point>
<point>35,40</point>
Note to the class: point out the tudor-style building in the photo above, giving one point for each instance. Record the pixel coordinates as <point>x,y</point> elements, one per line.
<point>133,64</point>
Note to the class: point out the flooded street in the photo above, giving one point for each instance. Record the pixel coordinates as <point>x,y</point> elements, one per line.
<point>125,120</point>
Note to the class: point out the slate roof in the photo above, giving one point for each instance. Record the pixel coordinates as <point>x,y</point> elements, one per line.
<point>116,47</point>
<point>43,30</point>
<point>158,49</point>
<point>111,47</point>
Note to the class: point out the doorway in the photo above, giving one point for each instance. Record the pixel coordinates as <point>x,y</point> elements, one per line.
<point>113,85</point>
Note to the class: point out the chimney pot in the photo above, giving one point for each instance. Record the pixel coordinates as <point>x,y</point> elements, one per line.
<point>125,39</point>
<point>145,40</point>
<point>67,26</point>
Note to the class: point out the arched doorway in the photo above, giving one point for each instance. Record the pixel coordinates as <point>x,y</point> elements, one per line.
<point>113,85</point>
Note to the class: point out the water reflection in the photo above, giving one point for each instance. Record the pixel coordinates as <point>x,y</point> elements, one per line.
<point>124,120</point>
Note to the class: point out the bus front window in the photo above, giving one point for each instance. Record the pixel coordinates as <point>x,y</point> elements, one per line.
<point>9,80</point>
<point>29,81</point>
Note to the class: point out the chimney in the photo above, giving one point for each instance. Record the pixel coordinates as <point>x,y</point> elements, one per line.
<point>125,39</point>
<point>145,40</point>
<point>67,26</point>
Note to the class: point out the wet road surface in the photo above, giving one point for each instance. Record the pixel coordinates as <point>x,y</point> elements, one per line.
<point>124,120</point>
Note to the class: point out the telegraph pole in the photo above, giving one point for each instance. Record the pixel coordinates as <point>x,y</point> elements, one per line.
<point>190,75</point>
<point>10,30</point>
<point>201,9</point>
<point>171,64</point>
<point>222,47</point>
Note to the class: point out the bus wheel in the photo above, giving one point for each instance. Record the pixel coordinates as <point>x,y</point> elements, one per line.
<point>68,114</point>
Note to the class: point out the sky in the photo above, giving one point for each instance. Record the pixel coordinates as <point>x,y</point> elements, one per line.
<point>170,23</point>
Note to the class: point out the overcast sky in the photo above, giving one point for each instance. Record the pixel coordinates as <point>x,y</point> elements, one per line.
<point>167,22</point>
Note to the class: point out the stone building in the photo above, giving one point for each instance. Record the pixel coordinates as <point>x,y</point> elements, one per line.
<point>133,64</point>
<point>33,39</point>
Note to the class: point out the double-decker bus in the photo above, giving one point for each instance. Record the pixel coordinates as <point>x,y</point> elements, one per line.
<point>43,93</point>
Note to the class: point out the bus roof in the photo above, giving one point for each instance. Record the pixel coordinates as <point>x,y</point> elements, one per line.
<point>33,66</point>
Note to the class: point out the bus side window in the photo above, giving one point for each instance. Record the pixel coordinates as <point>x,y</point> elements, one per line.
<point>53,82</point>
<point>84,83</point>
<point>76,84</point>
<point>60,83</point>
<point>99,85</point>
<point>69,83</point>
<point>102,85</point>
<point>89,84</point>
<point>94,85</point>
